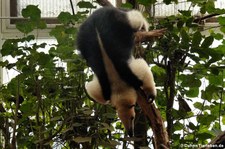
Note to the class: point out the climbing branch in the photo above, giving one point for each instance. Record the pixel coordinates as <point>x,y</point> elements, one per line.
<point>141,36</point>
<point>217,142</point>
<point>161,139</point>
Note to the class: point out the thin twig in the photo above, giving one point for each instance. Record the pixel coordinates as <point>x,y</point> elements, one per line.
<point>71,4</point>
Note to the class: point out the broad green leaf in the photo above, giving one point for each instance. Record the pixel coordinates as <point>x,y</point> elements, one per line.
<point>180,24</point>
<point>170,1</point>
<point>210,92</point>
<point>25,27</point>
<point>220,49</point>
<point>222,29</point>
<point>185,37</point>
<point>218,36</point>
<point>186,13</point>
<point>178,126</point>
<point>192,126</point>
<point>210,6</point>
<point>4,63</point>
<point>8,47</point>
<point>198,105</point>
<point>146,2</point>
<point>203,9</point>
<point>216,80</point>
<point>85,4</point>
<point>204,136</point>
<point>207,42</point>
<point>197,38</point>
<point>193,92</point>
<point>41,24</point>
<point>32,12</point>
<point>64,17</point>
<point>221,20</point>
<point>127,5</point>
<point>190,81</point>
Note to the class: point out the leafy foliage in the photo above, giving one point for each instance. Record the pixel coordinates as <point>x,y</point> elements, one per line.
<point>46,105</point>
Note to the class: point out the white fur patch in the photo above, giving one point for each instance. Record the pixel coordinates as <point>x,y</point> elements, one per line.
<point>94,91</point>
<point>141,69</point>
<point>137,21</point>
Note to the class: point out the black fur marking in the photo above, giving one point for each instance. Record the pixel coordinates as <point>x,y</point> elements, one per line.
<point>118,40</point>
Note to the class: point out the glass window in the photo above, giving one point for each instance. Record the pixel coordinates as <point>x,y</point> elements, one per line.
<point>50,9</point>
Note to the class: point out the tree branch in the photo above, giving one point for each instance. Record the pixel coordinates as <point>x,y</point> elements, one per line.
<point>161,139</point>
<point>197,20</point>
<point>217,142</point>
<point>141,36</point>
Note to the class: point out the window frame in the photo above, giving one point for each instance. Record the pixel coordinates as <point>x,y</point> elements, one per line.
<point>9,17</point>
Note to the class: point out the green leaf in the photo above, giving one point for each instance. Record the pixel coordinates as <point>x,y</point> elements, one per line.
<point>8,47</point>
<point>210,92</point>
<point>167,1</point>
<point>3,64</point>
<point>217,36</point>
<point>186,13</point>
<point>190,81</point>
<point>178,126</point>
<point>27,107</point>
<point>146,2</point>
<point>44,59</point>
<point>220,49</point>
<point>127,5</point>
<point>216,80</point>
<point>64,17</point>
<point>207,42</point>
<point>185,38</point>
<point>198,105</point>
<point>85,4</point>
<point>25,27</point>
<point>210,6</point>
<point>204,136</point>
<point>193,92</point>
<point>197,38</point>
<point>203,9</point>
<point>41,24</point>
<point>180,24</point>
<point>206,119</point>
<point>222,29</point>
<point>32,12</point>
<point>221,20</point>
<point>192,126</point>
